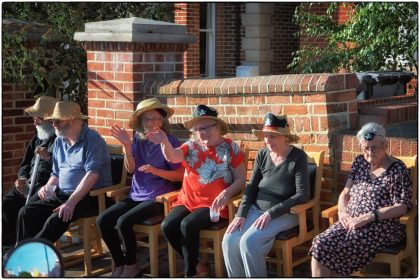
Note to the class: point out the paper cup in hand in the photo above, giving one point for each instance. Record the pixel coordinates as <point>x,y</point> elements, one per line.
<point>49,191</point>
<point>214,216</point>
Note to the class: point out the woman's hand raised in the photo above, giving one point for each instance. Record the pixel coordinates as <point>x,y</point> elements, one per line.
<point>120,134</point>
<point>157,136</point>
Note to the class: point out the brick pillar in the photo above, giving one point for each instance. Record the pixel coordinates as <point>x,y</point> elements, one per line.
<point>121,55</point>
<point>188,14</point>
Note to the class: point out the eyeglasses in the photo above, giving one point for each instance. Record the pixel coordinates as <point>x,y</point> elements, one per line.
<point>372,149</point>
<point>146,120</point>
<point>205,128</point>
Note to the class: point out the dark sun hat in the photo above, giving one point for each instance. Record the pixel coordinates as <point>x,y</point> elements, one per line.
<point>202,112</point>
<point>276,124</point>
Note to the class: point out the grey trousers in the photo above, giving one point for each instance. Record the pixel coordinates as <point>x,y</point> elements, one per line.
<point>244,251</point>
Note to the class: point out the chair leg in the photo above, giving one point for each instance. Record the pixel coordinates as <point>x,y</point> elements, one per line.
<point>87,249</point>
<point>278,262</point>
<point>172,261</point>
<point>218,257</point>
<point>395,268</point>
<point>287,260</point>
<point>154,252</point>
<point>414,263</point>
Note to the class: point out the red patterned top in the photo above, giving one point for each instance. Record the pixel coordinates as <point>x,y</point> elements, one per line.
<point>207,173</point>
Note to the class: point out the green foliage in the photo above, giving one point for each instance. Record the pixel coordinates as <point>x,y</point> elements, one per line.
<point>378,36</point>
<point>67,77</point>
<point>25,274</point>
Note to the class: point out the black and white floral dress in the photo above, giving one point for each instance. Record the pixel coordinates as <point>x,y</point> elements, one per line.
<point>345,252</point>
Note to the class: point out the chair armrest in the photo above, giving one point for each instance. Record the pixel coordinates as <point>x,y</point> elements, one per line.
<point>167,197</point>
<point>118,192</point>
<point>236,197</point>
<point>409,216</point>
<point>302,207</point>
<point>233,205</point>
<point>236,202</point>
<point>330,212</point>
<point>101,191</point>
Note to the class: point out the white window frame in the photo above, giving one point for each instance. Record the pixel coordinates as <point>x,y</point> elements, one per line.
<point>211,40</point>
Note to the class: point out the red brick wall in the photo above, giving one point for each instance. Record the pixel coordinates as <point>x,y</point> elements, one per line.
<point>343,12</point>
<point>284,41</point>
<point>318,9</point>
<point>17,130</point>
<point>115,79</point>
<point>226,38</point>
<point>189,14</point>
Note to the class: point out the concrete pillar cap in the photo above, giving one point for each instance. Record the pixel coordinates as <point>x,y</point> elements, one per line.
<point>135,30</point>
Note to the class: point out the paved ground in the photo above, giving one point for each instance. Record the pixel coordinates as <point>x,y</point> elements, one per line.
<point>302,271</point>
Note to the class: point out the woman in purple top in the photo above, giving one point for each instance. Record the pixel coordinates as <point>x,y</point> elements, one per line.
<point>153,175</point>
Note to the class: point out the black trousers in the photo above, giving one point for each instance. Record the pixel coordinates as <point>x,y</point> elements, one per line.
<point>37,219</point>
<point>182,230</point>
<point>116,226</point>
<point>11,204</point>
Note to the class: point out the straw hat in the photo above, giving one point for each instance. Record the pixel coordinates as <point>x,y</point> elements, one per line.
<point>147,105</point>
<point>43,107</point>
<point>66,110</point>
<point>276,124</point>
<point>202,112</point>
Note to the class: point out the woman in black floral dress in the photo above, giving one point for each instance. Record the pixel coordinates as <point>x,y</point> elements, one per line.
<point>378,191</point>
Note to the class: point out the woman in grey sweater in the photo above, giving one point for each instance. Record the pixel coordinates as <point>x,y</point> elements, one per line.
<point>279,181</point>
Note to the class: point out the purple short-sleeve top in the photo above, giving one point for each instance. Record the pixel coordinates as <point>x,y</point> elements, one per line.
<point>146,186</point>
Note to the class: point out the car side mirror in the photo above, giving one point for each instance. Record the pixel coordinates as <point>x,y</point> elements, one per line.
<point>33,258</point>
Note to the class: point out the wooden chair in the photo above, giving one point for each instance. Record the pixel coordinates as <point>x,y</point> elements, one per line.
<point>286,241</point>
<point>148,234</point>
<point>406,250</point>
<point>85,229</point>
<point>210,238</point>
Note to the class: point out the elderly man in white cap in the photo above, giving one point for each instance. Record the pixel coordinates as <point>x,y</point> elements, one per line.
<point>81,162</point>
<point>42,143</point>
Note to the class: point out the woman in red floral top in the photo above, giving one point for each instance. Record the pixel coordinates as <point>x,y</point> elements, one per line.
<point>214,172</point>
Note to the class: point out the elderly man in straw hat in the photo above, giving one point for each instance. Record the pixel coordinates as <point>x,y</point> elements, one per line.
<point>81,162</point>
<point>42,143</point>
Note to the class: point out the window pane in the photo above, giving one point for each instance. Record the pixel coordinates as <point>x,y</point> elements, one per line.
<point>203,55</point>
<point>203,15</point>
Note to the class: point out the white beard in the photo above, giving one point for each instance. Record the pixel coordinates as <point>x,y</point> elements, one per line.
<point>45,130</point>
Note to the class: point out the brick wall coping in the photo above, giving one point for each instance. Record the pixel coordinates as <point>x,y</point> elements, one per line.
<point>134,30</point>
<point>292,83</point>
<point>386,101</point>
